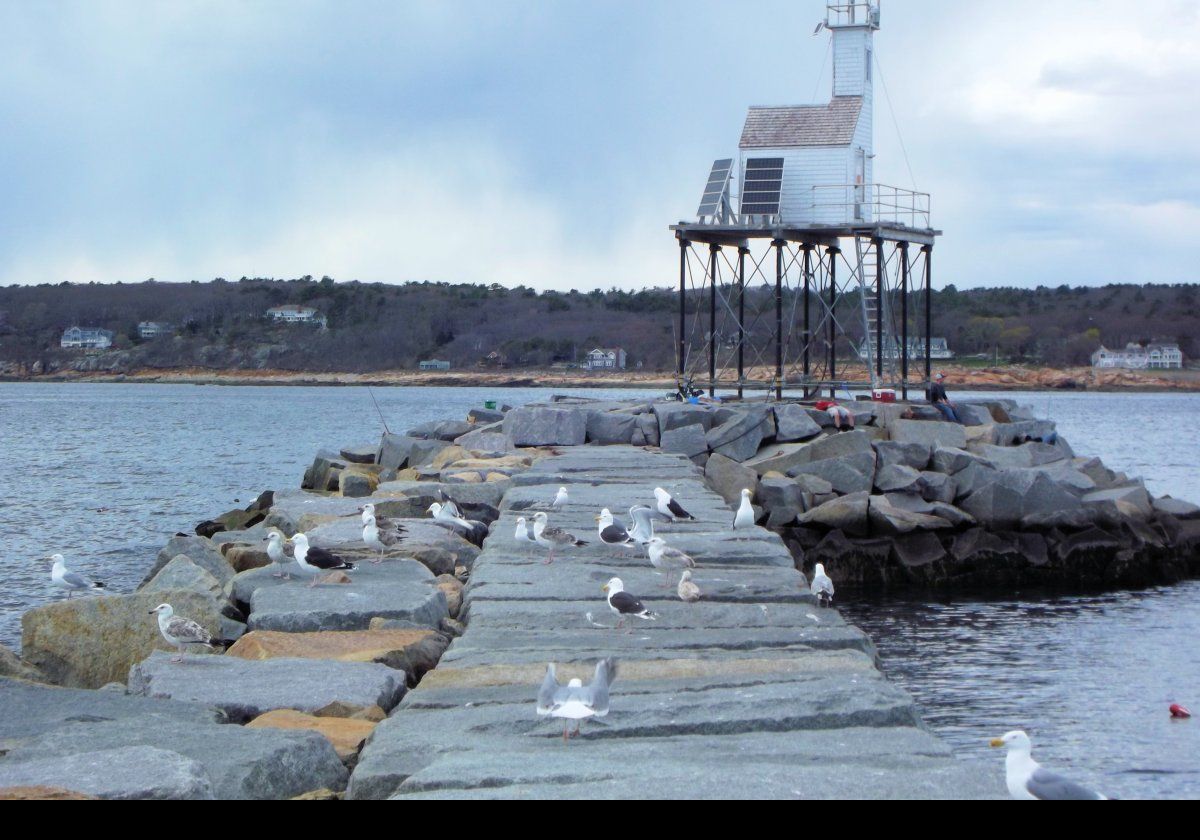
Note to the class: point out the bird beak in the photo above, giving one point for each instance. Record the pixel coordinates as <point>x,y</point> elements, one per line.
<point>597,518</point>
<point>604,588</point>
<point>997,742</point>
<point>152,612</point>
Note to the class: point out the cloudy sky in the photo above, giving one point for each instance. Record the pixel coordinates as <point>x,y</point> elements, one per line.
<point>551,143</point>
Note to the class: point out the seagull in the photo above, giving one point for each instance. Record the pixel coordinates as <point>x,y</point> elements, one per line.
<point>73,582</point>
<point>448,516</point>
<point>576,701</point>
<point>1026,779</point>
<point>523,533</point>
<point>180,631</point>
<point>642,517</point>
<point>382,522</point>
<point>377,538</point>
<point>822,587</point>
<point>610,532</point>
<point>744,518</point>
<point>314,561</point>
<point>560,498</point>
<point>667,559</point>
<point>549,536</point>
<point>687,590</point>
<point>624,604</point>
<point>668,508</point>
<point>280,553</point>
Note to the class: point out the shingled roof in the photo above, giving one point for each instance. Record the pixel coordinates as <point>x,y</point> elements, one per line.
<point>770,127</point>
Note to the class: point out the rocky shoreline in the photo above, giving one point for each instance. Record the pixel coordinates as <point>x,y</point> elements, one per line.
<point>315,696</point>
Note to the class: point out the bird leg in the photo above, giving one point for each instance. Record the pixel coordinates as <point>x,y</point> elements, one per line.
<point>312,583</point>
<point>578,725</point>
<point>549,559</point>
<point>178,657</point>
<point>566,729</point>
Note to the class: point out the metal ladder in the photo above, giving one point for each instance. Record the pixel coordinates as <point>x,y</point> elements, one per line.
<point>873,310</point>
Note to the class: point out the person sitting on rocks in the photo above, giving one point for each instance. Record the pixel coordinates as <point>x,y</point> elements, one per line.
<point>939,400</point>
<point>843,418</point>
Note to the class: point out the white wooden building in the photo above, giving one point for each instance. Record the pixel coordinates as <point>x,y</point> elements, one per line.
<point>152,329</point>
<point>86,338</point>
<point>295,314</point>
<point>1134,356</point>
<point>605,358</point>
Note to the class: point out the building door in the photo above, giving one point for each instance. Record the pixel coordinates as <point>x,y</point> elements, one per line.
<point>860,184</point>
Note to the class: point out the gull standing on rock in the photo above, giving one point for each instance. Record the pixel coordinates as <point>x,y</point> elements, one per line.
<point>447,515</point>
<point>688,591</point>
<point>576,701</point>
<point>667,559</point>
<point>1026,779</point>
<point>610,532</point>
<point>744,518</point>
<point>624,604</point>
<point>560,499</point>
<point>381,522</point>
<point>73,582</point>
<point>642,517</point>
<point>313,561</point>
<point>523,533</point>
<point>549,536</point>
<point>822,586</point>
<point>668,508</point>
<point>281,554</point>
<point>378,539</point>
<point>180,632</point>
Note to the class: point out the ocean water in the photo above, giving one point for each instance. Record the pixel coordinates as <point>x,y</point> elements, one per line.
<point>106,473</point>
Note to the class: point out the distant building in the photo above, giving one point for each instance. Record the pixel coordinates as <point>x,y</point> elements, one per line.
<point>152,329</point>
<point>86,338</point>
<point>1137,357</point>
<point>434,364</point>
<point>295,314</point>
<point>605,358</point>
<point>939,348</point>
<point>493,359</point>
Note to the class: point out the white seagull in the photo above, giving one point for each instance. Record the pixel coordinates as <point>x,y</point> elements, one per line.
<point>668,508</point>
<point>378,539</point>
<point>822,586</point>
<point>560,498</point>
<point>667,559</point>
<point>549,536</point>
<point>1026,779</point>
<point>576,701</point>
<point>73,582</point>
<point>313,561</point>
<point>610,532</point>
<point>281,554</point>
<point>624,604</point>
<point>744,518</point>
<point>687,591</point>
<point>523,533</point>
<point>381,522</point>
<point>447,515</point>
<point>180,631</point>
<point>642,517</point>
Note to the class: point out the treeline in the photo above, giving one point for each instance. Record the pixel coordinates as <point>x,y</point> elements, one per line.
<point>377,326</point>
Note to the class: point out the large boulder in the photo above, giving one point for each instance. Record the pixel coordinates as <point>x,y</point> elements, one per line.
<point>1177,508</point>
<point>917,550</point>
<point>897,478</point>
<point>848,514</point>
<point>686,440</point>
<point>122,773</point>
<point>738,437</point>
<point>323,473</point>
<point>793,422</point>
<point>729,478</point>
<point>973,415</point>
<point>185,573</point>
<point>608,427</point>
<point>424,452</point>
<point>393,451</point>
<point>848,474</point>
<point>673,415</point>
<point>345,735</point>
<point>245,688</point>
<point>12,665</point>
<point>889,452</point>
<point>783,499</point>
<point>446,430</point>
<point>938,487</point>
<point>413,651</point>
<point>929,433</point>
<point>647,425</point>
<point>489,439</point>
<point>202,551</point>
<point>365,454</point>
<point>90,642</point>
<point>889,520</point>
<point>951,460</point>
<point>1134,497</point>
<point>540,426</point>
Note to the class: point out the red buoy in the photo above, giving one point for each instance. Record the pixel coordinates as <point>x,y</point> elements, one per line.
<point>1178,711</point>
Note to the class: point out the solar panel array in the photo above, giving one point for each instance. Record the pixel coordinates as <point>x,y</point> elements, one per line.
<point>761,184</point>
<point>717,189</point>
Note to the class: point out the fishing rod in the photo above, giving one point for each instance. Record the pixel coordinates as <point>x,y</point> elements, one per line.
<point>378,409</point>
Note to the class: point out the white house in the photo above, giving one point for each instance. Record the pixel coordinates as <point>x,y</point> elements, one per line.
<point>605,358</point>
<point>813,164</point>
<point>939,348</point>
<point>152,329</point>
<point>86,338</point>
<point>295,314</point>
<point>434,364</point>
<point>1137,357</point>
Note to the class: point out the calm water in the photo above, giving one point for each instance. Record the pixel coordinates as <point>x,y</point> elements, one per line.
<point>106,473</point>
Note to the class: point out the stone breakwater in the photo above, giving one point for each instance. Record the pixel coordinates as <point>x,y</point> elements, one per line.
<point>416,677</point>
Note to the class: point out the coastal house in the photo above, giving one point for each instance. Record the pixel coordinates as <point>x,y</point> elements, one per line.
<point>495,359</point>
<point>295,314</point>
<point>86,338</point>
<point>152,329</point>
<point>434,364</point>
<point>939,348</point>
<point>605,358</point>
<point>1138,357</point>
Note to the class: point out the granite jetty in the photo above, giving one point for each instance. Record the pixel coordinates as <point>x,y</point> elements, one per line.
<point>417,677</point>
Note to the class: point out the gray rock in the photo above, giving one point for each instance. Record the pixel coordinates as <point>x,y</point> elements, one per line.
<point>889,452</point>
<point>444,430</point>
<point>738,437</point>
<point>814,485</point>
<point>356,485</point>
<point>975,475</point>
<point>942,510</point>
<point>848,514</point>
<point>360,454</point>
<point>393,451</point>
<point>246,688</point>
<point>1005,457</point>
<point>1134,496</point>
<point>422,452</point>
<point>1176,507</point>
<point>938,487</point>
<point>1015,494</point>
<point>481,416</point>
<point>839,444</point>
<point>11,665</point>
<point>729,478</point>
<point>647,424</point>
<point>793,422</point>
<point>490,438</point>
<point>973,415</point>
<point>929,433</point>
<point>996,506</point>
<point>538,426</point>
<point>323,473</point>
<point>123,773</point>
<point>201,550</point>
<point>674,415</point>
<point>890,520</point>
<point>918,549</point>
<point>821,418</point>
<point>608,428</point>
<point>240,763</point>
<point>686,440</point>
<point>783,499</point>
<point>897,478</point>
<point>951,460</point>
<point>1003,434</point>
<point>848,474</point>
<point>184,573</point>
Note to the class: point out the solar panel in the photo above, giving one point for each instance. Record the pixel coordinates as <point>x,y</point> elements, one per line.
<point>762,183</point>
<point>716,191</point>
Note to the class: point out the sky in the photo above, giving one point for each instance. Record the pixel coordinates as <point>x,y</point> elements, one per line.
<point>552,143</point>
